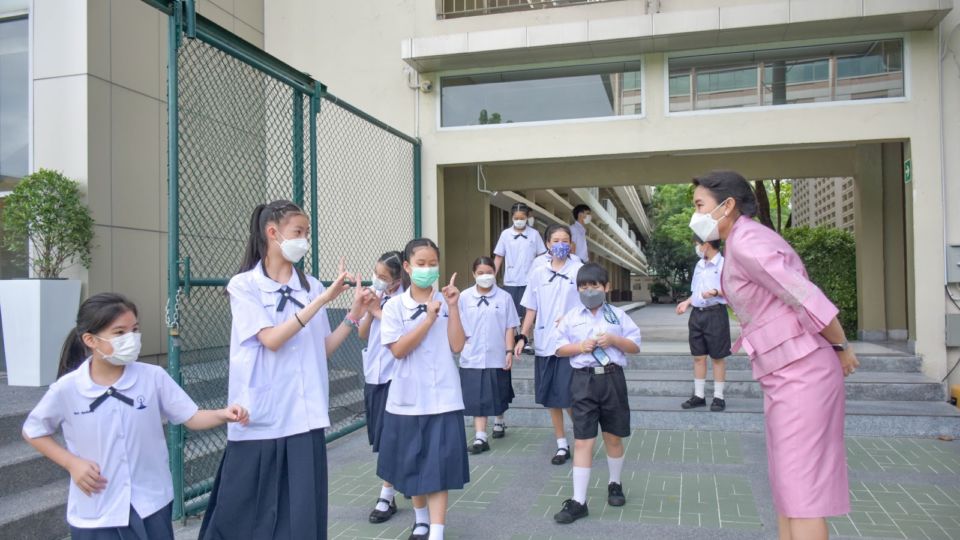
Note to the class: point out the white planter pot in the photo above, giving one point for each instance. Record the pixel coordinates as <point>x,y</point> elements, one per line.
<point>37,315</point>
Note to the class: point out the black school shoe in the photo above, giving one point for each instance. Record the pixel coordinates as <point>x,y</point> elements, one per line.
<point>561,457</point>
<point>694,402</point>
<point>572,511</point>
<point>499,433</point>
<point>419,536</point>
<point>718,405</point>
<point>379,516</point>
<point>615,494</point>
<point>479,446</point>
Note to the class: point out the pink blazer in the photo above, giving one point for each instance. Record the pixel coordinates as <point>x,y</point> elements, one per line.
<point>781,311</point>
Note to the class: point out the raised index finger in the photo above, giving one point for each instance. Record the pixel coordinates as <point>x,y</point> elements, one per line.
<point>342,267</point>
<point>453,278</point>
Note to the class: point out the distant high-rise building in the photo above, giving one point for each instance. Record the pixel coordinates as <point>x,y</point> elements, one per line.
<point>824,202</point>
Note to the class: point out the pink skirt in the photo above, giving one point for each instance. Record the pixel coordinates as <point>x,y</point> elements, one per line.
<point>804,406</point>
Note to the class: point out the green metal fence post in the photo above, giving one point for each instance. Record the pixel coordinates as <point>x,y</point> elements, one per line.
<point>417,217</point>
<point>298,148</point>
<point>174,432</point>
<point>318,90</point>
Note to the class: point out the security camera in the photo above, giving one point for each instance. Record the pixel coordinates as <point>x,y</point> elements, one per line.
<point>426,86</point>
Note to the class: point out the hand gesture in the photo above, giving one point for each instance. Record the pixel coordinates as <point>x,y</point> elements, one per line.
<point>518,348</point>
<point>682,307</point>
<point>509,361</point>
<point>362,296</point>
<point>848,361</point>
<point>710,294</point>
<point>235,413</point>
<point>451,293</point>
<point>86,475</point>
<point>606,340</point>
<point>433,310</point>
<point>588,345</point>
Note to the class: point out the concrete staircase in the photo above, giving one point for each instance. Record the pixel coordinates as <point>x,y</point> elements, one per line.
<point>888,396</point>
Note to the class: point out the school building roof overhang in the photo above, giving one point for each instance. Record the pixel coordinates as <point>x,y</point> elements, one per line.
<point>492,41</point>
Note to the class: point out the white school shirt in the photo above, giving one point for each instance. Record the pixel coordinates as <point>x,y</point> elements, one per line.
<point>546,258</point>
<point>518,253</point>
<point>286,392</point>
<point>125,441</point>
<point>551,299</point>
<point>578,233</point>
<point>706,276</point>
<point>378,361</point>
<point>579,324</point>
<point>427,381</point>
<point>485,324</point>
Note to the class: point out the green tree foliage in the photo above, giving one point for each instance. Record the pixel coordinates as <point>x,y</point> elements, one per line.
<point>671,246</point>
<point>831,260</point>
<point>46,210</point>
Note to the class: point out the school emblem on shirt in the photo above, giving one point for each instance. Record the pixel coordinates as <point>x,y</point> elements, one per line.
<point>140,402</point>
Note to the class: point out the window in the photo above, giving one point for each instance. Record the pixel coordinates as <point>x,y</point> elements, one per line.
<point>819,73</point>
<point>561,93</point>
<point>14,87</point>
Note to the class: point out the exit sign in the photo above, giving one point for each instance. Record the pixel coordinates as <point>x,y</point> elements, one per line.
<point>907,172</point>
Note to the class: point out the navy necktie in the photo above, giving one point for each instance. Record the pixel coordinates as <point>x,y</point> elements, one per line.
<point>384,301</point>
<point>519,235</point>
<point>111,392</point>
<point>421,309</point>
<point>483,300</point>
<point>286,293</point>
<point>557,274</point>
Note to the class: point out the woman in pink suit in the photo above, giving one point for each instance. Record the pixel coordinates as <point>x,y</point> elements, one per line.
<point>798,352</point>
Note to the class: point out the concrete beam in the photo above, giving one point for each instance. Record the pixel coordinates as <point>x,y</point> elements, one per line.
<point>615,230</point>
<point>631,201</point>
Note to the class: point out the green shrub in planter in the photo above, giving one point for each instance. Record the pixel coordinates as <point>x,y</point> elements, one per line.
<point>830,256</point>
<point>46,211</point>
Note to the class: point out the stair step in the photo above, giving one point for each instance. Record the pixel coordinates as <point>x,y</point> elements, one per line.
<point>22,467</point>
<point>35,514</point>
<point>871,418</point>
<point>871,386</point>
<point>889,363</point>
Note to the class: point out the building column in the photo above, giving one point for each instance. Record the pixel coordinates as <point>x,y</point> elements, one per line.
<point>869,230</point>
<point>465,215</point>
<point>894,243</point>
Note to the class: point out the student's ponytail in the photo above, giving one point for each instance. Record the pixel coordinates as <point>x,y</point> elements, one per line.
<point>256,243</point>
<point>73,353</point>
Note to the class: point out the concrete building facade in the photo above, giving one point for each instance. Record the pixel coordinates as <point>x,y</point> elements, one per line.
<point>823,202</point>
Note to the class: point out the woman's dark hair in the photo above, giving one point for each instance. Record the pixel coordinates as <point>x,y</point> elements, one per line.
<point>95,314</point>
<point>557,227</point>
<point>592,274</point>
<point>274,212</point>
<point>520,207</point>
<point>417,243</point>
<point>714,243</point>
<point>579,209</point>
<point>725,185</point>
<point>393,260</point>
<point>483,260</point>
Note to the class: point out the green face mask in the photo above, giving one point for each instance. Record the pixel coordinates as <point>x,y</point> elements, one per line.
<point>424,277</point>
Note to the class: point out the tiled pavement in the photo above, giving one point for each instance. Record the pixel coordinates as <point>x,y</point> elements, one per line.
<point>678,485</point>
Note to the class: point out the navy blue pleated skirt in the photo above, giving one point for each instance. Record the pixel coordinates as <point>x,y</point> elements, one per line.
<point>270,489</point>
<point>552,375</point>
<point>486,392</point>
<point>423,454</point>
<point>156,526</point>
<point>375,403</point>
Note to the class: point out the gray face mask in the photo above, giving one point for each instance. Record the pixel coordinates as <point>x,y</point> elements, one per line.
<point>592,298</point>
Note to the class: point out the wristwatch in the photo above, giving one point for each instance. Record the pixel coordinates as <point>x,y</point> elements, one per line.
<point>840,347</point>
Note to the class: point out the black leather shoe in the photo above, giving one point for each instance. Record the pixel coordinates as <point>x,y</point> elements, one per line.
<point>379,516</point>
<point>561,457</point>
<point>572,511</point>
<point>718,405</point>
<point>694,402</point>
<point>499,433</point>
<point>423,536</point>
<point>479,446</point>
<point>615,494</point>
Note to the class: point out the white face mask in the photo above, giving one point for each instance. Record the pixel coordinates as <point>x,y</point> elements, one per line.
<point>699,251</point>
<point>485,281</point>
<point>519,224</point>
<point>586,220</point>
<point>294,249</point>
<point>705,226</point>
<point>530,221</point>
<point>380,285</point>
<point>126,349</point>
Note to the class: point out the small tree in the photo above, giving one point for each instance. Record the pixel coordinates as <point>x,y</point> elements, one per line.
<point>45,210</point>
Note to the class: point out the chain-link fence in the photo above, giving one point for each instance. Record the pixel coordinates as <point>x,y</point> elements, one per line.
<point>246,129</point>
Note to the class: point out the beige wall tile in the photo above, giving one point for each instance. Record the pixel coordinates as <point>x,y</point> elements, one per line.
<point>135,160</point>
<point>59,38</point>
<point>136,274</point>
<point>98,38</point>
<point>162,167</point>
<point>248,33</point>
<point>101,267</point>
<point>98,176</point>
<point>134,45</point>
<point>60,125</point>
<point>215,13</point>
<point>816,10</point>
<point>250,12</point>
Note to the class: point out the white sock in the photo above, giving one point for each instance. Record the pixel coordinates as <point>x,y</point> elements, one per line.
<point>581,479</point>
<point>422,516</point>
<point>482,435</point>
<point>386,493</point>
<point>718,389</point>
<point>616,467</point>
<point>698,385</point>
<point>562,443</point>
<point>498,424</point>
<point>436,531</point>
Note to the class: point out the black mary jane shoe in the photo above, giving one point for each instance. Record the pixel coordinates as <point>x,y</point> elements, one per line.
<point>499,433</point>
<point>561,457</point>
<point>424,536</point>
<point>379,516</point>
<point>479,446</point>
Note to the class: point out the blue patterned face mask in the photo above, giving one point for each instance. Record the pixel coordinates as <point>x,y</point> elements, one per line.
<point>560,250</point>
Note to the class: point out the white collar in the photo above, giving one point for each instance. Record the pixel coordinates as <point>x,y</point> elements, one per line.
<point>267,284</point>
<point>475,292</point>
<point>407,299</point>
<point>88,388</point>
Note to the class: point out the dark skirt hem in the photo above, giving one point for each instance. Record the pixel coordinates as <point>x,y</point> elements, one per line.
<point>424,454</point>
<point>486,392</point>
<point>552,375</point>
<point>375,403</point>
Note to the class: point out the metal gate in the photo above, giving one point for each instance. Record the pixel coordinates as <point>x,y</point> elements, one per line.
<point>243,129</point>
